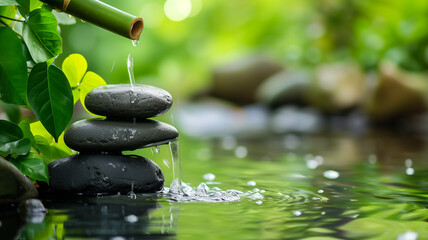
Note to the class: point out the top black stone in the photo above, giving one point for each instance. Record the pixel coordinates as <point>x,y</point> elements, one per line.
<point>124,101</point>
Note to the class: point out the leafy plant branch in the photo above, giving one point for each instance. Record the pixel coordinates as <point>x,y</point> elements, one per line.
<point>30,79</point>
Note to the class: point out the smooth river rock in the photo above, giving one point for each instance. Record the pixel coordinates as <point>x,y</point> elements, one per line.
<point>97,135</point>
<point>123,101</point>
<point>89,174</point>
<point>14,186</point>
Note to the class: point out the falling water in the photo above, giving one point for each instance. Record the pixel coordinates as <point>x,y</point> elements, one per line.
<point>131,70</point>
<point>135,42</point>
<point>175,187</point>
<point>130,64</point>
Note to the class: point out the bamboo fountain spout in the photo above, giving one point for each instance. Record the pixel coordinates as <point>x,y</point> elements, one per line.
<point>102,15</point>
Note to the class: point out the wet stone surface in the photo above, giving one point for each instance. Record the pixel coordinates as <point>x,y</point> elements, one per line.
<point>97,135</point>
<point>14,186</point>
<point>89,174</point>
<point>123,101</point>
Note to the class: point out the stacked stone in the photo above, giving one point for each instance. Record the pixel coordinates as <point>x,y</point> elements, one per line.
<point>100,168</point>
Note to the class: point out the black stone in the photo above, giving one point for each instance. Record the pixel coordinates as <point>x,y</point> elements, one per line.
<point>14,186</point>
<point>123,101</point>
<point>96,135</point>
<point>90,174</point>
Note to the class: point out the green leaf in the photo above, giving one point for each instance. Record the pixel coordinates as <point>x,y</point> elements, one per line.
<point>21,147</point>
<point>33,166</point>
<point>9,132</point>
<point>12,139</point>
<point>51,150</point>
<point>50,97</point>
<point>74,67</point>
<point>37,128</point>
<point>12,111</point>
<point>41,35</point>
<point>26,130</point>
<point>13,68</point>
<point>26,6</point>
<point>89,82</point>
<point>8,2</point>
<point>7,11</point>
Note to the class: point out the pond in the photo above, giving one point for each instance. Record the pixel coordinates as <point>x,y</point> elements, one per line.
<point>323,186</point>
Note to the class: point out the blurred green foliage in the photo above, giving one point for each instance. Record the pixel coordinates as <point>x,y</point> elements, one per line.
<point>179,56</point>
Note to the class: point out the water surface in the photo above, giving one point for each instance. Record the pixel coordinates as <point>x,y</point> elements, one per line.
<point>328,186</point>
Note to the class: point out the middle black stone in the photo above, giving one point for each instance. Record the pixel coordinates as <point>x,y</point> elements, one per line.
<point>97,135</point>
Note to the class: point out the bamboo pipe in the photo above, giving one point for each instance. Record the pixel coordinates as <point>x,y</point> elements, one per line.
<point>102,15</point>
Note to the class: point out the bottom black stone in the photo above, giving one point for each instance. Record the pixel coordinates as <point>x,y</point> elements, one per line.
<point>91,174</point>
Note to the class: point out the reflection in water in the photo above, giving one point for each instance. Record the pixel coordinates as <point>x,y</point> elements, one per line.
<point>110,217</point>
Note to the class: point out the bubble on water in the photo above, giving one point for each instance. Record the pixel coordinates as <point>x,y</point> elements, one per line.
<point>372,158</point>
<point>320,191</point>
<point>316,198</point>
<point>241,152</point>
<point>408,163</point>
<point>410,171</point>
<point>262,191</point>
<point>209,177</point>
<point>297,213</point>
<point>331,174</point>
<point>259,202</point>
<point>256,190</point>
<point>131,218</point>
<point>228,142</point>
<point>408,236</point>
<point>251,183</point>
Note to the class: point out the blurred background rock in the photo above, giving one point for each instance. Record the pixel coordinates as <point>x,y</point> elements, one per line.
<point>256,67</point>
